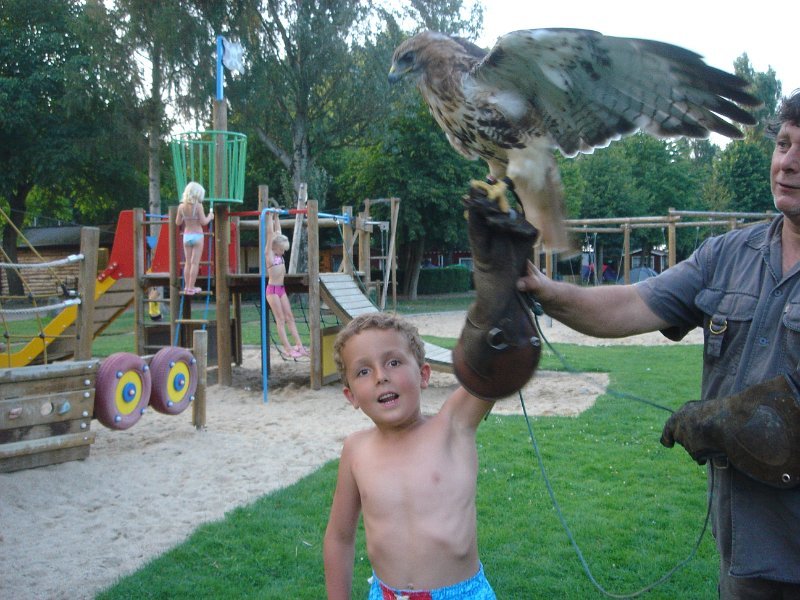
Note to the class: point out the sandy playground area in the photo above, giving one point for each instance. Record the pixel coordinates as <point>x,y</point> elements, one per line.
<point>69,530</point>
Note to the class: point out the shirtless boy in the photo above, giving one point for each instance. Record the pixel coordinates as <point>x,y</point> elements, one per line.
<point>413,477</point>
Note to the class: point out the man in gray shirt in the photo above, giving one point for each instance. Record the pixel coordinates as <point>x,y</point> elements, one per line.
<point>743,288</point>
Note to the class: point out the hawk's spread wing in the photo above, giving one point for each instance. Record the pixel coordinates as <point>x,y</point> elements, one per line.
<point>585,89</point>
<point>567,88</point>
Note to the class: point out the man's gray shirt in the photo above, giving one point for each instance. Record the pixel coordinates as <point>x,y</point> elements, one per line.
<point>733,287</point>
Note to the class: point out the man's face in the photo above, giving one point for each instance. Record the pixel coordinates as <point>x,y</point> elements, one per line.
<point>785,171</point>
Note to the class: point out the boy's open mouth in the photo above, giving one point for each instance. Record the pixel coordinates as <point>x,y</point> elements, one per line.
<point>388,397</point>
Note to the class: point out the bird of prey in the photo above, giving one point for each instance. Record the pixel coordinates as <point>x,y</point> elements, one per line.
<point>571,89</point>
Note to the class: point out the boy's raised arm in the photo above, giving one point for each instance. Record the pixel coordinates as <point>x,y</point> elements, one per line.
<point>339,543</point>
<point>465,409</point>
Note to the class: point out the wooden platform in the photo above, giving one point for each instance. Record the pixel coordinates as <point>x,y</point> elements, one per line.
<point>344,297</point>
<point>46,413</point>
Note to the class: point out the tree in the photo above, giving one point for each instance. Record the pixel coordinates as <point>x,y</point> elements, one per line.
<point>415,163</point>
<point>63,101</point>
<point>173,46</point>
<point>740,179</point>
<point>313,82</point>
<point>448,16</point>
<point>767,88</point>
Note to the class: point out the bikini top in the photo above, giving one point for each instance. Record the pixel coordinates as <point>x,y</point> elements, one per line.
<point>277,260</point>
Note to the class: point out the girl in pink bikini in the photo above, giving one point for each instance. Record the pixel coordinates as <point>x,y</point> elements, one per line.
<point>193,218</point>
<point>277,245</point>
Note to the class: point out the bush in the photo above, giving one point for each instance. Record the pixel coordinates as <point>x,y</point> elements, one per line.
<point>445,280</point>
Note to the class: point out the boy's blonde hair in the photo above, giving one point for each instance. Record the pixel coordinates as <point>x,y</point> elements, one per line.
<point>193,193</point>
<point>282,241</point>
<point>382,321</point>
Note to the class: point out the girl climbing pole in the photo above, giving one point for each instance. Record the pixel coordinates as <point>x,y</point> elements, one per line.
<point>193,218</point>
<point>277,244</point>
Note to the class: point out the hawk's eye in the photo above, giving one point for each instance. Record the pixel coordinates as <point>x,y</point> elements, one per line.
<point>407,58</point>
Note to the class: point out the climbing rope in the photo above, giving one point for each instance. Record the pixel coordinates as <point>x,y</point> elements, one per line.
<point>16,266</point>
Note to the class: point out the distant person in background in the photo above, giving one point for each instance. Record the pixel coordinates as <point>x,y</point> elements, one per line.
<point>193,218</point>
<point>154,303</point>
<point>276,246</point>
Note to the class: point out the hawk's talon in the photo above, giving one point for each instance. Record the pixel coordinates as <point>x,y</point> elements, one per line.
<point>496,192</point>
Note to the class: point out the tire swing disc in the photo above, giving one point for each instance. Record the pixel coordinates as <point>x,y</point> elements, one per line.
<point>174,372</point>
<point>122,390</point>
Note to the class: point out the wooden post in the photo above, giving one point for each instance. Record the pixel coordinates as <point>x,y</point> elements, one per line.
<point>537,258</point>
<point>314,325</point>
<point>200,351</point>
<point>221,241</point>
<point>364,250</point>
<point>391,268</point>
<point>263,197</point>
<point>222,295</point>
<point>87,277</point>
<point>626,251</point>
<point>297,235</point>
<point>139,242</point>
<point>347,240</point>
<point>672,244</point>
<point>174,275</point>
<point>548,263</point>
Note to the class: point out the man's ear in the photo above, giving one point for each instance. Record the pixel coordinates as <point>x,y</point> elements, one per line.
<point>425,375</point>
<point>350,397</point>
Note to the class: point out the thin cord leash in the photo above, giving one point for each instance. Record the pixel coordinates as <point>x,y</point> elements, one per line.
<point>536,311</point>
<point>574,544</point>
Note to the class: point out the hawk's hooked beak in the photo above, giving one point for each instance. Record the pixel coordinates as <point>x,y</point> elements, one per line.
<point>395,74</point>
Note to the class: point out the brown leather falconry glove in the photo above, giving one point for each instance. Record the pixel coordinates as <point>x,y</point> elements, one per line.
<point>498,350</point>
<point>758,430</point>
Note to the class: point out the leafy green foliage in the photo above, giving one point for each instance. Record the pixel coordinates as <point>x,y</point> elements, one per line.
<point>742,173</point>
<point>65,120</point>
<point>455,278</point>
<point>415,162</point>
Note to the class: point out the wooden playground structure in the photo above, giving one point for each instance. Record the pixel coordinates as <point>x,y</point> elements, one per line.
<point>344,293</point>
<point>46,407</point>
<point>50,385</point>
<point>674,220</point>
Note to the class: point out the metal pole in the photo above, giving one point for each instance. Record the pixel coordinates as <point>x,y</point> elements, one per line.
<point>220,73</point>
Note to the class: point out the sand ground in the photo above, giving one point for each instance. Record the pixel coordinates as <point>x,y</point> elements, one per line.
<point>69,530</point>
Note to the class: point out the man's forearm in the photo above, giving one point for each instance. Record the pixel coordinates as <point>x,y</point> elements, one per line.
<point>602,311</point>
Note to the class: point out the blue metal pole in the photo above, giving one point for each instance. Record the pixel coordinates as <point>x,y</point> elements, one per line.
<point>220,74</point>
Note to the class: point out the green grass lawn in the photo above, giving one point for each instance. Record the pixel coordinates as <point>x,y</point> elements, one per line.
<point>635,509</point>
